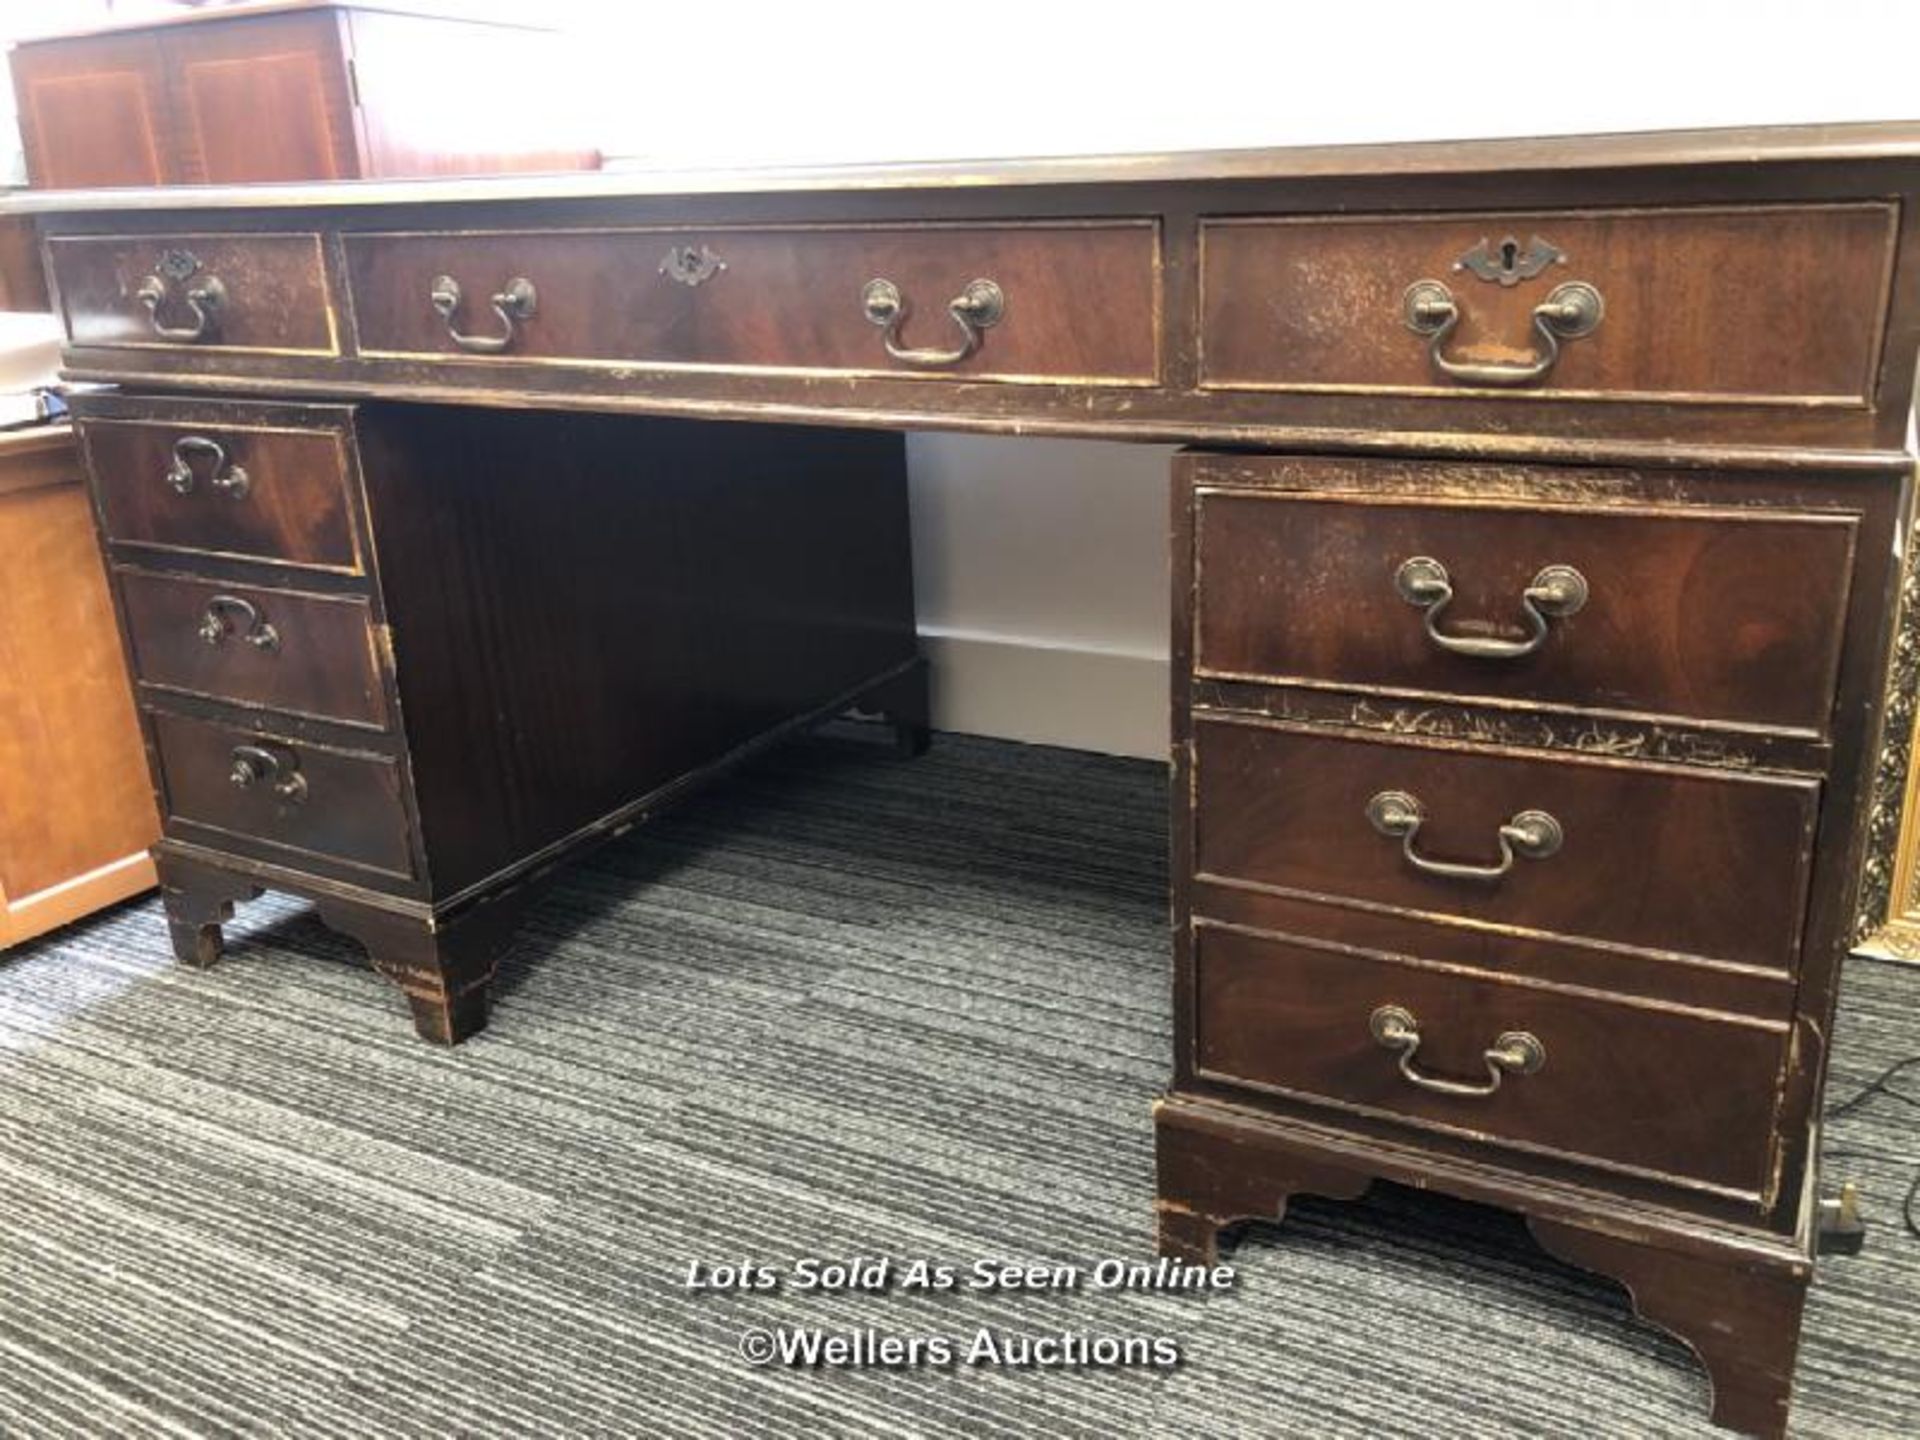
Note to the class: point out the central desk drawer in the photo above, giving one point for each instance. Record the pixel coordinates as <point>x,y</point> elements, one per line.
<point>293,796</point>
<point>1732,616</point>
<point>279,649</point>
<point>225,486</point>
<point>1070,302</point>
<point>1652,1088</point>
<point>1658,858</point>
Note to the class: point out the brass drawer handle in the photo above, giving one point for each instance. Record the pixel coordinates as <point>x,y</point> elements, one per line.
<point>230,480</point>
<point>1556,592</point>
<point>1533,834</point>
<point>256,765</point>
<point>975,310</point>
<point>1569,311</point>
<point>515,303</point>
<point>1515,1053</point>
<point>247,623</point>
<point>203,298</point>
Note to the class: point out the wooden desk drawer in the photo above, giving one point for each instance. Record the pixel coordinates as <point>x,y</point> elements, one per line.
<point>206,292</point>
<point>1079,302</point>
<point>256,491</point>
<point>1714,614</point>
<point>1651,1088</point>
<point>279,649</point>
<point>1761,304</point>
<point>304,799</point>
<point>1658,858</point>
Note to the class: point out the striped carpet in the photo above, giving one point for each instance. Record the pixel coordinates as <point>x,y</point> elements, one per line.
<point>841,1006</point>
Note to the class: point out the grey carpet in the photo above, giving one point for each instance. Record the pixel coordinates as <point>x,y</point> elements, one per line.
<point>840,1006</point>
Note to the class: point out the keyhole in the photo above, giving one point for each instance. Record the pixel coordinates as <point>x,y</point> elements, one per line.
<point>1509,256</point>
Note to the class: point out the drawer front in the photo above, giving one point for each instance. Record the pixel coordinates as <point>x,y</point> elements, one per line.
<point>1694,862</point>
<point>301,799</point>
<point>1776,304</point>
<point>228,489</point>
<point>254,645</point>
<point>205,292</point>
<point>1653,1089</point>
<point>1716,615</point>
<point>1078,302</point>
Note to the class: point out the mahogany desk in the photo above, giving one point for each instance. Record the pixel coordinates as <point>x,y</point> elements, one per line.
<point>1535,598</point>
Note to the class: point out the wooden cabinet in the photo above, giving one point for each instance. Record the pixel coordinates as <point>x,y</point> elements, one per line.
<point>76,811</point>
<point>290,91</point>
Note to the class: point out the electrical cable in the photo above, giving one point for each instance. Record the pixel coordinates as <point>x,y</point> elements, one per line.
<point>1881,1085</point>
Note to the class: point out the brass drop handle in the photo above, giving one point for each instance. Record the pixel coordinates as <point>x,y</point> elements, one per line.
<point>230,480</point>
<point>203,300</point>
<point>975,310</point>
<point>247,623</point>
<point>1533,834</point>
<point>1569,311</point>
<point>256,765</point>
<point>1556,592</point>
<point>1514,1053</point>
<point>514,304</point>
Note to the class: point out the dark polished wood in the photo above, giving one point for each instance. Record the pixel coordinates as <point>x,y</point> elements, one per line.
<point>714,583</point>
<point>277,649</point>
<point>785,299</point>
<point>552,626</point>
<point>289,90</point>
<point>1314,304</point>
<point>275,292</point>
<point>578,617</point>
<point>296,507</point>
<point>346,808</point>
<point>1691,1098</point>
<point>1667,859</point>
<point>1735,1300</point>
<point>1686,614</point>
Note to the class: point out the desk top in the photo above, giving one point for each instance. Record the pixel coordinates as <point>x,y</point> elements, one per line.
<point>1770,146</point>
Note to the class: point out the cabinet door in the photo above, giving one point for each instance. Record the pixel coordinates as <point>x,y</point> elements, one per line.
<point>94,111</point>
<point>262,98</point>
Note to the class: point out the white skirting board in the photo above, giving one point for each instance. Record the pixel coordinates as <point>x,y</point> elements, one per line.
<point>1013,687</point>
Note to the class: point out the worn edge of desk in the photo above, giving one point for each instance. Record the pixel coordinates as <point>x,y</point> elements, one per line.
<point>1659,149</point>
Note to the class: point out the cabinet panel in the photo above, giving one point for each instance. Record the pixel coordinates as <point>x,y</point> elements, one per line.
<point>94,111</point>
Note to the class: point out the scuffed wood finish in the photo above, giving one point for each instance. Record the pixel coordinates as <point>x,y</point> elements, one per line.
<point>276,296</point>
<point>1081,300</point>
<point>1678,954</point>
<point>349,810</point>
<point>1741,1319</point>
<point>1733,1298</point>
<point>77,815</point>
<point>322,660</point>
<point>1778,304</point>
<point>254,93</point>
<point>1687,613</point>
<point>1816,361</point>
<point>1663,859</point>
<point>297,508</point>
<point>1692,1098</point>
